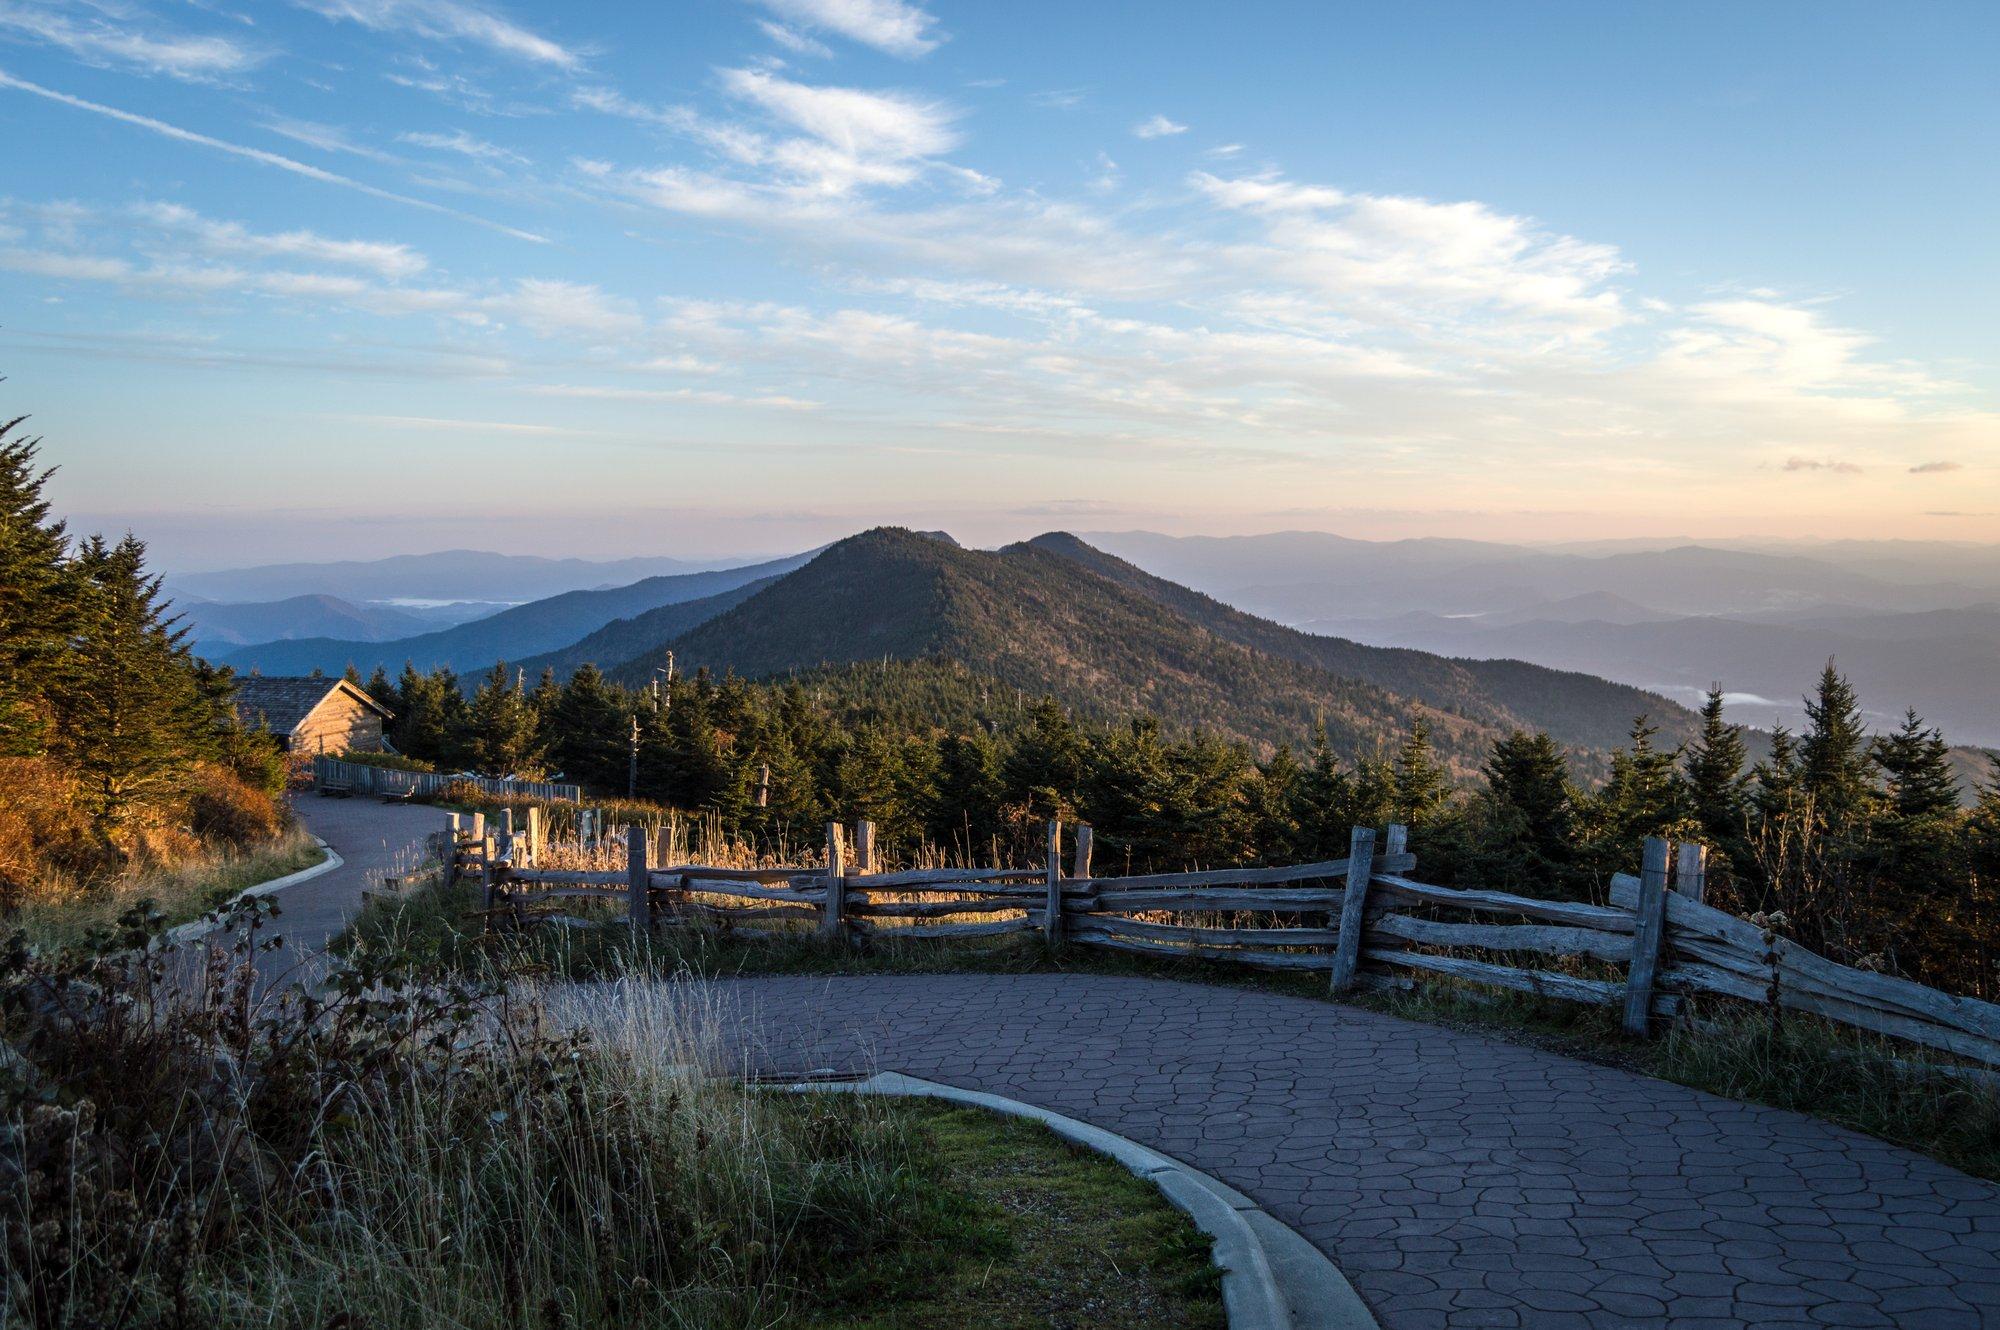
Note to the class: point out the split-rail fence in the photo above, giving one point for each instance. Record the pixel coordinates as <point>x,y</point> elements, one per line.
<point>1364,920</point>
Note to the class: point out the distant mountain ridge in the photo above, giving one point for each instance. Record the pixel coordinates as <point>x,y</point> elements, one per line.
<point>1055,616</point>
<point>212,625</point>
<point>511,635</point>
<point>444,575</point>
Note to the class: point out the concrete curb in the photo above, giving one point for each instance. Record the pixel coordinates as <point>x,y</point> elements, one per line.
<point>1272,1279</point>
<point>203,926</point>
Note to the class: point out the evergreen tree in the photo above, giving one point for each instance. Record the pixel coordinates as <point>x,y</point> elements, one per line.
<point>1915,833</point>
<point>1530,842</point>
<point>1833,765</point>
<point>134,714</point>
<point>1717,785</point>
<point>500,731</point>
<point>1045,771</point>
<point>585,731</point>
<point>964,811</point>
<point>1421,783</point>
<point>381,689</point>
<point>1322,806</point>
<point>37,597</point>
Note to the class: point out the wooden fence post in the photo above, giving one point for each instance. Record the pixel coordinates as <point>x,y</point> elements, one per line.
<point>1052,917</point>
<point>1347,947</point>
<point>486,869</point>
<point>1690,870</point>
<point>1646,937</point>
<point>638,878</point>
<point>864,846</point>
<point>535,834</point>
<point>479,826</point>
<point>1079,863</point>
<point>836,882</point>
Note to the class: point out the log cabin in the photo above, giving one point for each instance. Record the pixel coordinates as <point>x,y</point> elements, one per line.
<point>313,715</point>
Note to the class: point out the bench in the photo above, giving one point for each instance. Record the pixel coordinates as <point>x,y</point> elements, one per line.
<point>334,790</point>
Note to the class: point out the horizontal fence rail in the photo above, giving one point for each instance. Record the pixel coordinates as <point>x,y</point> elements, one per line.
<point>1361,920</point>
<point>331,775</point>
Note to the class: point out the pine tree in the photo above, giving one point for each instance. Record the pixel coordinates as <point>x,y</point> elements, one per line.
<point>500,731</point>
<point>964,810</point>
<point>134,714</point>
<point>1915,833</point>
<point>1045,771</point>
<point>1718,787</point>
<point>1323,802</point>
<point>1421,783</point>
<point>1530,838</point>
<point>1833,756</point>
<point>37,597</point>
<point>381,689</point>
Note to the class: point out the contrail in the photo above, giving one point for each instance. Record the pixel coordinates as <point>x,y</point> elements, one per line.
<point>259,155</point>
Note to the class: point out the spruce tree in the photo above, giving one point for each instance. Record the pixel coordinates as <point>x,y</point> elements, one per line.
<point>1915,833</point>
<point>1530,839</point>
<point>1833,768</point>
<point>134,714</point>
<point>500,730</point>
<point>1421,783</point>
<point>1717,784</point>
<point>38,604</point>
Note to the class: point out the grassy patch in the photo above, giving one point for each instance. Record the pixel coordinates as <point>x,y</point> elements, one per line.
<point>183,892</point>
<point>1046,1234</point>
<point>1841,1074</point>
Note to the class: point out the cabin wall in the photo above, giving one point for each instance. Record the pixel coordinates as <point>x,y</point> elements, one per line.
<point>339,725</point>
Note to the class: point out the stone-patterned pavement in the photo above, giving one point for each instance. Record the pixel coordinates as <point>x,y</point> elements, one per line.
<point>1458,1181</point>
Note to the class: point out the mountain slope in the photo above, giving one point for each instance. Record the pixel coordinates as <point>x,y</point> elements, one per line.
<point>624,639</point>
<point>1576,708</point>
<point>1033,619</point>
<point>511,635</point>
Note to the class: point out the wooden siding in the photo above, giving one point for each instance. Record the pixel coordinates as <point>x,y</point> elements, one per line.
<point>341,723</point>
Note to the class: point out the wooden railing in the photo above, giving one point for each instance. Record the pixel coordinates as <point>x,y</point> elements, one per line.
<point>1362,919</point>
<point>330,774</point>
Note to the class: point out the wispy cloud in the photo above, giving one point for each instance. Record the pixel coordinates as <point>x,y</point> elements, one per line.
<point>793,40</point>
<point>257,155</point>
<point>450,20</point>
<point>892,26</point>
<point>387,259</point>
<point>109,37</point>
<point>1935,468</point>
<point>1157,127</point>
<point>1826,464</point>
<point>466,145</point>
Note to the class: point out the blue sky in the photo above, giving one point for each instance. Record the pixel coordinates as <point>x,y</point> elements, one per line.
<point>726,276</point>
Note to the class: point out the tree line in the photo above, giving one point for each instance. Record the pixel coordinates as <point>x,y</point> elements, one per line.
<point>1861,844</point>
<point>116,742</point>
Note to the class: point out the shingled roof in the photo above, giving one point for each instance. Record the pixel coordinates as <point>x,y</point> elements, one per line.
<point>279,703</point>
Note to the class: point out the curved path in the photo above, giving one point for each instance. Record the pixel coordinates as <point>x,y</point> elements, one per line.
<point>1458,1181</point>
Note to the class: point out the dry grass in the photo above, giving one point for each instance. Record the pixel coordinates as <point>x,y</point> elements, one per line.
<point>60,910</point>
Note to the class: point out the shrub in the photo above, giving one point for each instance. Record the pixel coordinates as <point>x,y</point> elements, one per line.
<point>223,808</point>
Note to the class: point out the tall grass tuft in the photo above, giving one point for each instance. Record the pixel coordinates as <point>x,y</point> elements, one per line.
<point>411,1151</point>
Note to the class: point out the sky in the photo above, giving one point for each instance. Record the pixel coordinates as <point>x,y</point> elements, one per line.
<point>342,278</point>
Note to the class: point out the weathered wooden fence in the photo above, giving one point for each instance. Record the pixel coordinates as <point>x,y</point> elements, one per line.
<point>331,775</point>
<point>1362,919</point>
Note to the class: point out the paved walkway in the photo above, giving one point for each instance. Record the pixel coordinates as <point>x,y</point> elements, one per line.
<point>1458,1181</point>
<point>375,839</point>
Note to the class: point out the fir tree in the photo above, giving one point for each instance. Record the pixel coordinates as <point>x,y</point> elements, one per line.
<point>38,604</point>
<point>1421,783</point>
<point>1717,785</point>
<point>500,731</point>
<point>135,713</point>
<point>1833,766</point>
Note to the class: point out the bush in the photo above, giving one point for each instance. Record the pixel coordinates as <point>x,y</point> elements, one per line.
<point>224,809</point>
<point>388,761</point>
